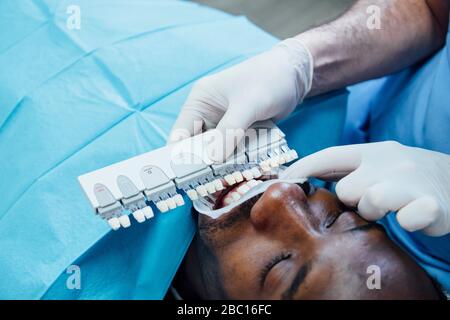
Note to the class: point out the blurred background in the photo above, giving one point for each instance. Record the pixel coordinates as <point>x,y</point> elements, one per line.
<point>283,18</point>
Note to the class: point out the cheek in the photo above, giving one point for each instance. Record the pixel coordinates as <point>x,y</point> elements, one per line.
<point>241,264</point>
<point>346,221</point>
<point>238,265</point>
<point>325,200</point>
<point>223,234</point>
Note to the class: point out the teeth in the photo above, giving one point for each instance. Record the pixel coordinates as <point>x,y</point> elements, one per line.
<point>178,200</point>
<point>252,183</point>
<point>148,212</point>
<point>210,187</point>
<point>192,194</point>
<point>238,176</point>
<point>162,206</point>
<point>256,172</point>
<point>248,174</point>
<point>114,223</point>
<point>171,203</point>
<point>235,196</point>
<point>218,185</point>
<point>227,200</point>
<point>124,221</point>
<point>230,179</point>
<point>201,189</point>
<point>243,189</point>
<point>139,216</point>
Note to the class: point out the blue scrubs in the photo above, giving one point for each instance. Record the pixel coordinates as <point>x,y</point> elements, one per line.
<point>412,107</point>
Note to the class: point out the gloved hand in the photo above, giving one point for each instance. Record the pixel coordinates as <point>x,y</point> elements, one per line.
<point>387,176</point>
<point>267,86</point>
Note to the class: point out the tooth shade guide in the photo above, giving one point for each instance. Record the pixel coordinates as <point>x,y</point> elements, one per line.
<point>248,174</point>
<point>192,194</point>
<point>114,223</point>
<point>210,187</point>
<point>201,190</point>
<point>171,203</point>
<point>218,184</point>
<point>130,184</point>
<point>238,176</point>
<point>139,216</point>
<point>256,173</point>
<point>230,180</point>
<point>178,200</point>
<point>148,212</point>
<point>124,221</point>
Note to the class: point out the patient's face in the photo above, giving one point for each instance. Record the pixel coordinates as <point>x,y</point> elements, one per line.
<point>285,244</point>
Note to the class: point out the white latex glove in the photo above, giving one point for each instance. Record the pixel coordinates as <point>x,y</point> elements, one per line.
<point>387,176</point>
<point>267,86</point>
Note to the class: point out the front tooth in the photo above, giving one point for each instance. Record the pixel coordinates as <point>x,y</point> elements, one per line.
<point>218,185</point>
<point>236,196</point>
<point>192,194</point>
<point>230,179</point>
<point>256,172</point>
<point>139,216</point>
<point>114,223</point>
<point>252,183</point>
<point>178,200</point>
<point>201,189</point>
<point>124,221</point>
<point>210,187</point>
<point>148,212</point>
<point>227,200</point>
<point>238,176</point>
<point>162,206</point>
<point>243,189</point>
<point>248,174</point>
<point>171,203</point>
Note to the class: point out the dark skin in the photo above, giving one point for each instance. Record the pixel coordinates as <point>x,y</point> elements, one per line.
<point>287,245</point>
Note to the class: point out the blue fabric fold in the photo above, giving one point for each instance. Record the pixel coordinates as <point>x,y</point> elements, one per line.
<point>73,101</point>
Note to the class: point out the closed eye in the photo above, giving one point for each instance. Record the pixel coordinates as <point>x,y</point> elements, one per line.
<point>270,265</point>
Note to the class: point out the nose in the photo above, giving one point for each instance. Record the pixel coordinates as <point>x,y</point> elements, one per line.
<point>282,206</point>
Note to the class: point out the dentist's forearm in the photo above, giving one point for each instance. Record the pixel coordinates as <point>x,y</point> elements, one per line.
<point>347,51</point>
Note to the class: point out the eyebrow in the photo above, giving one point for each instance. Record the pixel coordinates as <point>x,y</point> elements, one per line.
<point>296,283</point>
